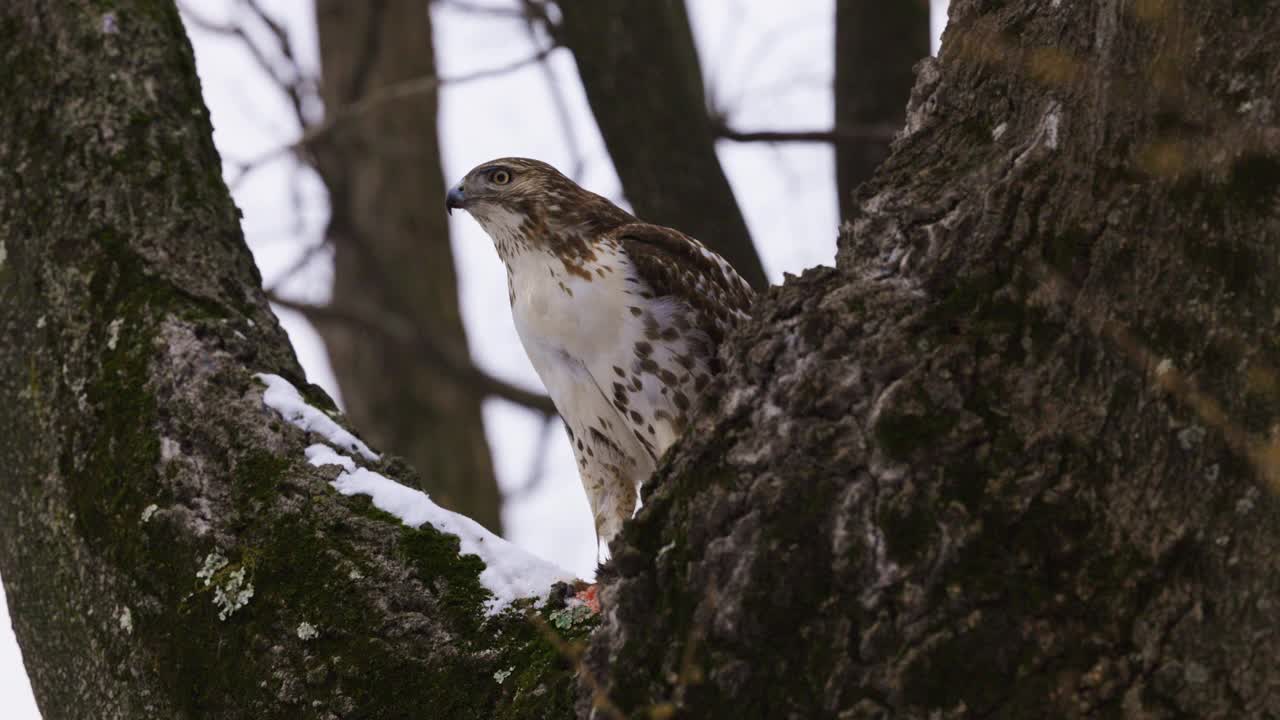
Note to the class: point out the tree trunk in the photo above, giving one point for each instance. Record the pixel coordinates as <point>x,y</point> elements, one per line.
<point>1017,455</point>
<point>392,254</point>
<point>640,70</point>
<point>877,44</point>
<point>136,449</point>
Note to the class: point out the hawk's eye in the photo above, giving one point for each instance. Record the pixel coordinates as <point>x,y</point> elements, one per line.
<point>500,177</point>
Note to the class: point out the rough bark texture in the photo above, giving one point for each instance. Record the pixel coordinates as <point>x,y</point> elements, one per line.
<point>392,253</point>
<point>1009,458</point>
<point>640,69</point>
<point>134,442</point>
<point>877,45</point>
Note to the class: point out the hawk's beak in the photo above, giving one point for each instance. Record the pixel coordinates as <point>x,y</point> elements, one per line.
<point>455,199</point>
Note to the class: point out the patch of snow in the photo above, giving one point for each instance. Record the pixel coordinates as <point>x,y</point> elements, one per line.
<point>999,131</point>
<point>284,398</point>
<point>321,454</point>
<point>148,511</point>
<point>307,631</point>
<point>125,618</point>
<point>501,675</point>
<point>4,254</point>
<point>509,572</point>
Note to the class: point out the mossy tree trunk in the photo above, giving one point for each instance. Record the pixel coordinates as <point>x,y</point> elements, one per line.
<point>640,70</point>
<point>392,254</point>
<point>135,447</point>
<point>1018,454</point>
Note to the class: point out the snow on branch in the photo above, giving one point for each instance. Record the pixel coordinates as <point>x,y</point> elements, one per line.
<point>510,573</point>
<point>285,399</point>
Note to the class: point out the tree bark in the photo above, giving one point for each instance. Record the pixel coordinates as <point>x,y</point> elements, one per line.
<point>135,446</point>
<point>640,69</point>
<point>392,254</point>
<point>877,44</point>
<point>1017,454</point>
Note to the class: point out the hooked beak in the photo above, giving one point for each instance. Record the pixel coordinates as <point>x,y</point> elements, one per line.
<point>455,199</point>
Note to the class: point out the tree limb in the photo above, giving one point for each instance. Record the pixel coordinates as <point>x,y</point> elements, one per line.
<point>836,136</point>
<point>450,361</point>
<point>371,102</point>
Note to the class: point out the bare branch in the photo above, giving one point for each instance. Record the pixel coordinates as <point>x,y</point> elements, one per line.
<point>303,261</point>
<point>537,17</point>
<point>538,465</point>
<point>478,9</point>
<point>384,96</point>
<point>450,360</point>
<point>866,133</point>
<point>293,87</point>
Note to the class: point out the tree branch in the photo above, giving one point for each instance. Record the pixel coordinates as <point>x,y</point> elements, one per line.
<point>295,87</point>
<point>375,100</point>
<point>451,361</point>
<point>869,133</point>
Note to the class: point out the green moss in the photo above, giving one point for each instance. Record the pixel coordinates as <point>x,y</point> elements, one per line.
<point>292,565</point>
<point>258,475</point>
<point>454,577</point>
<point>113,471</point>
<point>540,658</point>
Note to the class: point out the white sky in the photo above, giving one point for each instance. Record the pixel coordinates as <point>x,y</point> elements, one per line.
<point>768,64</point>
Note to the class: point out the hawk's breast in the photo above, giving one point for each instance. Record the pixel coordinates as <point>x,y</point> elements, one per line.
<point>646,355</point>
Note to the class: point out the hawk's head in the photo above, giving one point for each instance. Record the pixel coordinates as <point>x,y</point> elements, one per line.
<point>519,201</point>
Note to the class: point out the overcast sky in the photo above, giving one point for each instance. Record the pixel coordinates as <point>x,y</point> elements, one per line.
<point>768,64</point>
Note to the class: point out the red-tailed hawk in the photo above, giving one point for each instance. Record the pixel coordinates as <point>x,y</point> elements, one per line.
<point>620,318</point>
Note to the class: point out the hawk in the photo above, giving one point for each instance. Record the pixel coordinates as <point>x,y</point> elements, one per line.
<point>620,318</point>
